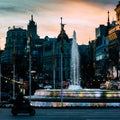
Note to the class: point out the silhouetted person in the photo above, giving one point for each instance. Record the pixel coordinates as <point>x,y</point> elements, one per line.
<point>19,100</point>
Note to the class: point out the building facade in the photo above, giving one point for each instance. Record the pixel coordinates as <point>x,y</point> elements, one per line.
<point>45,55</point>
<point>114,46</point>
<point>101,51</point>
<point>16,41</point>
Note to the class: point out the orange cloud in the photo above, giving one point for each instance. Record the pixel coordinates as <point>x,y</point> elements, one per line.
<point>77,15</point>
<point>83,16</point>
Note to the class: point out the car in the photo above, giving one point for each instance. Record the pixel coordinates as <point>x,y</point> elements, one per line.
<point>48,87</point>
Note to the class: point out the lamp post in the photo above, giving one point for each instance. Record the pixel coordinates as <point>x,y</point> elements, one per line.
<point>54,65</point>
<point>30,76</point>
<point>30,60</point>
<point>14,58</point>
<point>61,37</point>
<point>61,79</point>
<point>62,49</point>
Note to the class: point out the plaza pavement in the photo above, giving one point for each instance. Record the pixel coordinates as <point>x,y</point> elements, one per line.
<point>64,114</point>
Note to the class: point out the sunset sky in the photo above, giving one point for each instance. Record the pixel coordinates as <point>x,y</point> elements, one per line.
<point>83,16</point>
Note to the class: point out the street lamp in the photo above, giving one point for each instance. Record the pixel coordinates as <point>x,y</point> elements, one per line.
<point>61,37</point>
<point>30,67</point>
<point>14,58</point>
<point>54,65</point>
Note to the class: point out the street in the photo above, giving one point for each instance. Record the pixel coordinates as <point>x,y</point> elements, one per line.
<point>65,114</point>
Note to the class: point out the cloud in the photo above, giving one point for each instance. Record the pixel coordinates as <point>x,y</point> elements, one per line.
<point>101,2</point>
<point>15,5</point>
<point>80,15</point>
<point>98,2</point>
<point>21,6</point>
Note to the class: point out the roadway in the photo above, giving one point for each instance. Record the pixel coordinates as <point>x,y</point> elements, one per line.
<point>65,114</point>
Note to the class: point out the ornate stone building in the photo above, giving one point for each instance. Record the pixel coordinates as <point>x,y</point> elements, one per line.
<point>114,45</point>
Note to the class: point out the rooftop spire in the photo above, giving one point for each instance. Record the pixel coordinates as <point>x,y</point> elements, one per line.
<point>61,20</point>
<point>31,17</point>
<point>108,22</point>
<point>62,36</point>
<point>62,26</point>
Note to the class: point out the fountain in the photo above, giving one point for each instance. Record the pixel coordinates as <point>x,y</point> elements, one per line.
<point>75,74</point>
<point>75,95</point>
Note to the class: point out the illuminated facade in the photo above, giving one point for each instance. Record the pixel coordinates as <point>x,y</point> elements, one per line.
<point>114,44</point>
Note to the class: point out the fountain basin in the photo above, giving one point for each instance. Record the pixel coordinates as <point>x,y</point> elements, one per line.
<point>83,93</point>
<point>83,97</point>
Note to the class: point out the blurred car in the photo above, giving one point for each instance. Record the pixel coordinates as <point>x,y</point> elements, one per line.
<point>48,87</point>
